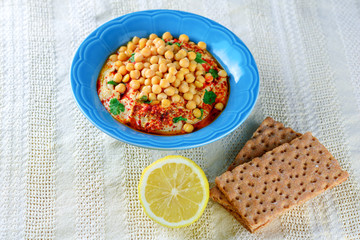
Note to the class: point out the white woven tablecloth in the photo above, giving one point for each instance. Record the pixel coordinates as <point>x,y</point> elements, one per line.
<point>61,178</point>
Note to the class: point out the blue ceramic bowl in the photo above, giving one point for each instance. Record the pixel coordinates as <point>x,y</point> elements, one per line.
<point>226,47</point>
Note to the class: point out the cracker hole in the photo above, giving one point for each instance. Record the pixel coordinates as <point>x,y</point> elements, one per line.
<point>321,152</point>
<point>308,154</point>
<point>335,177</point>
<point>297,175</point>
<point>306,147</point>
<point>304,174</point>
<point>250,163</point>
<point>237,198</point>
<point>280,193</point>
<point>286,206</point>
<point>304,189</point>
<point>262,141</point>
<point>245,215</point>
<point>249,195</point>
<point>312,190</point>
<point>261,202</point>
<point>280,170</point>
<point>244,167</point>
<point>258,212</point>
<point>297,156</point>
<point>267,172</point>
<point>255,220</point>
<point>297,147</point>
<point>247,205</point>
<point>289,185</point>
<point>274,200</point>
<point>272,209</point>
<point>313,160</point>
<point>291,176</point>
<point>287,196</point>
<point>256,197</point>
<point>257,165</point>
<point>313,181</point>
<point>241,178</point>
<point>283,160</point>
<point>292,167</point>
<point>296,198</point>
<point>301,183</point>
<point>264,210</point>
<point>266,168</point>
<point>327,177</point>
<point>326,186</point>
<point>281,128</point>
<point>267,145</point>
<point>253,148</point>
<point>270,163</point>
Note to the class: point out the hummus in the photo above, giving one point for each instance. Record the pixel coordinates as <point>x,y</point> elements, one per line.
<point>148,111</point>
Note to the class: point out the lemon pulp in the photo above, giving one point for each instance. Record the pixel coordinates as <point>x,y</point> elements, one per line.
<point>174,191</point>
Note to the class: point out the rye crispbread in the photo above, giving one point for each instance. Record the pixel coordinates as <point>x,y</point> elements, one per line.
<point>281,179</point>
<point>267,136</point>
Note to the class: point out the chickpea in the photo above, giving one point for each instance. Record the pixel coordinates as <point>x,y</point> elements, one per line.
<point>135,84</point>
<point>154,102</point>
<point>131,46</point>
<point>161,96</point>
<point>146,52</point>
<point>143,71</point>
<point>128,52</point>
<point>184,87</point>
<point>162,67</point>
<point>147,65</point>
<point>147,82</point>
<point>138,57</point>
<point>118,64</point>
<point>153,36</point>
<point>130,66</point>
<point>190,105</point>
<point>199,73</point>
<point>180,76</point>
<point>191,56</point>
<point>222,73</point>
<point>165,103</point>
<point>176,83</point>
<point>146,89</point>
<point>177,65</point>
<point>167,36</point>
<point>159,74</point>
<point>199,67</point>
<point>184,70</point>
<point>155,80</point>
<point>142,43</point>
<point>149,73</point>
<point>170,91</point>
<point>153,50</point>
<point>197,113</point>
<point>164,83</point>
<point>219,106</point>
<point>176,48</point>
<point>198,84</point>
<point>192,66</point>
<point>169,54</point>
<point>135,40</point>
<point>197,99</point>
<point>184,62</point>
<point>139,66</point>
<point>126,78</point>
<point>154,59</point>
<point>160,43</point>
<point>177,56</point>
<point>122,56</point>
<point>192,88</point>
<point>200,79</point>
<point>152,96</point>
<point>188,96</point>
<point>176,98</point>
<point>202,45</point>
<point>135,74</point>
<point>122,49</point>
<point>172,70</point>
<point>118,77</point>
<point>171,78</point>
<point>190,78</point>
<point>154,67</point>
<point>188,127</point>
<point>142,81</point>
<point>121,88</point>
<point>183,53</point>
<point>184,38</point>
<point>156,88</point>
<point>149,43</point>
<point>208,77</point>
<point>113,57</point>
<point>161,50</point>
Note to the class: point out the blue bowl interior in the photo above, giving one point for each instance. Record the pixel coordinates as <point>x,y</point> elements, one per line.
<point>228,49</point>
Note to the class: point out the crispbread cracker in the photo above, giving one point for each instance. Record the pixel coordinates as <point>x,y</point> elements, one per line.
<point>279,180</point>
<point>269,135</point>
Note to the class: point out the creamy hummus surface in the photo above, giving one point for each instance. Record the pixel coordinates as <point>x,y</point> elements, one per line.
<point>163,85</point>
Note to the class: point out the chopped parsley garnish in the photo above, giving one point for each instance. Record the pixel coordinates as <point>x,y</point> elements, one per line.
<point>116,107</point>
<point>169,43</point>
<point>144,99</point>
<point>202,113</point>
<point>132,58</point>
<point>179,44</point>
<point>209,97</point>
<point>112,83</point>
<point>214,73</point>
<point>177,119</point>
<point>198,58</point>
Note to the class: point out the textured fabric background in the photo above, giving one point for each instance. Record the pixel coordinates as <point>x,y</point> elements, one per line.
<point>61,178</point>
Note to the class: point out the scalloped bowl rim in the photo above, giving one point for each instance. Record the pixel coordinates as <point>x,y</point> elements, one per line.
<point>96,113</point>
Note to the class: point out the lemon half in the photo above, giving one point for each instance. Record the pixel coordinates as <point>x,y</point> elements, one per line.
<point>174,191</point>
